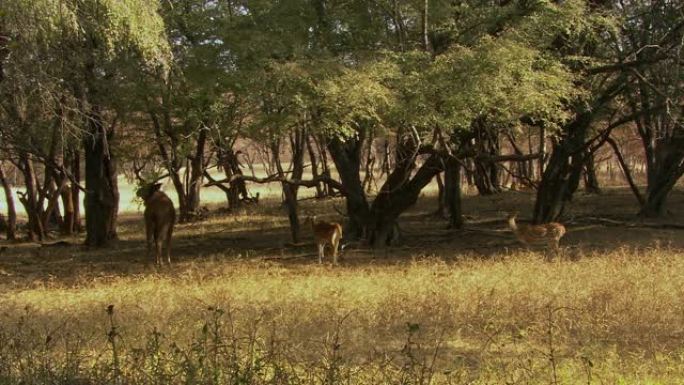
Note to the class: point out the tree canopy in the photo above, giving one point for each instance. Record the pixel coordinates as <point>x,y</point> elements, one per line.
<point>180,82</point>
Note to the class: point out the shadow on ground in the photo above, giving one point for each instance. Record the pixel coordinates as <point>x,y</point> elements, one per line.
<point>261,234</point>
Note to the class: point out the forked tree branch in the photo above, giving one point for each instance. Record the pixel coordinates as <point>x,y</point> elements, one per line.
<point>276,178</point>
<point>625,171</point>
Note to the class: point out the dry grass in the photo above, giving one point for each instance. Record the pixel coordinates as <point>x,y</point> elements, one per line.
<point>511,318</point>
<point>254,313</point>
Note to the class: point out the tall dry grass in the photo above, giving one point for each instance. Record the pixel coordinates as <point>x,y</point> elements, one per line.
<point>616,318</point>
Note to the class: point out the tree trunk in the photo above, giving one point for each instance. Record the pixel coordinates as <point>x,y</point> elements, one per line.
<point>102,196</point>
<point>231,167</point>
<point>325,166</point>
<point>386,158</point>
<point>441,198</point>
<point>234,163</point>
<point>52,205</point>
<point>656,198</point>
<point>667,168</point>
<point>524,169</point>
<point>555,184</point>
<point>377,223</point>
<point>625,171</point>
<point>591,182</point>
<point>577,162</point>
<point>55,218</point>
<point>36,232</point>
<point>452,192</point>
<point>11,228</point>
<point>369,166</point>
<point>481,179</point>
<point>75,191</point>
<point>542,149</point>
<point>68,226</point>
<point>320,192</point>
<point>396,196</point>
<point>486,173</point>
<point>194,185</point>
<point>425,36</point>
<point>347,158</point>
<point>290,191</point>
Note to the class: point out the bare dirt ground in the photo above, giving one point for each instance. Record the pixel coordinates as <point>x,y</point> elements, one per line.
<point>595,223</point>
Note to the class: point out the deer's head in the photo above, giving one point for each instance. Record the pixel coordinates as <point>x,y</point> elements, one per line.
<point>512,215</point>
<point>145,190</point>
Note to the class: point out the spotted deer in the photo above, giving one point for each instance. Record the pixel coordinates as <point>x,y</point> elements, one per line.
<point>160,216</point>
<point>326,233</point>
<point>548,234</point>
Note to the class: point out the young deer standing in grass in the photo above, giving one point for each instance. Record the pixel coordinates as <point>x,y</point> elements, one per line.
<point>326,233</point>
<point>160,216</point>
<point>547,233</point>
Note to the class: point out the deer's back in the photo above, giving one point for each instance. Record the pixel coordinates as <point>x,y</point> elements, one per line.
<point>159,208</point>
<point>541,233</point>
<point>556,229</point>
<point>324,231</point>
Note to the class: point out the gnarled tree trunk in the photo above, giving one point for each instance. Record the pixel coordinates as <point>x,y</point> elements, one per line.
<point>376,223</point>
<point>75,191</point>
<point>591,181</point>
<point>188,186</point>
<point>452,192</point>
<point>347,157</point>
<point>555,186</point>
<point>29,198</point>
<point>194,178</point>
<point>486,173</point>
<point>321,191</point>
<point>290,191</point>
<point>11,229</point>
<point>69,194</point>
<point>102,196</point>
<point>663,173</point>
<point>397,195</point>
<point>231,167</point>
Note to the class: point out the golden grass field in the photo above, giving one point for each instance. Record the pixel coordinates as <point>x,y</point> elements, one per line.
<point>239,306</point>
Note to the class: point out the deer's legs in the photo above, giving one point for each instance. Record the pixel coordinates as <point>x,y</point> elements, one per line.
<point>168,244</point>
<point>321,251</point>
<point>552,250</point>
<point>149,240</point>
<point>335,247</point>
<point>159,244</point>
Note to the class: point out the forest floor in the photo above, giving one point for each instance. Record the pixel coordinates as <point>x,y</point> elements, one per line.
<point>240,304</point>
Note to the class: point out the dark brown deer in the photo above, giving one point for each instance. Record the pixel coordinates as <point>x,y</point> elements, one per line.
<point>160,216</point>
